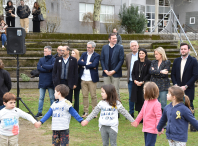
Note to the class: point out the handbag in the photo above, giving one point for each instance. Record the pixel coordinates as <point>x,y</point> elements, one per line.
<point>34,73</point>
<point>40,17</point>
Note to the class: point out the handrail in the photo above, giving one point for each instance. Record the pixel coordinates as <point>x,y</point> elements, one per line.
<point>194,31</point>
<point>174,15</point>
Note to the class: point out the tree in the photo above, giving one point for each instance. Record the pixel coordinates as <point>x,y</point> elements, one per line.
<point>112,22</point>
<point>132,20</point>
<point>96,17</point>
<point>1,8</point>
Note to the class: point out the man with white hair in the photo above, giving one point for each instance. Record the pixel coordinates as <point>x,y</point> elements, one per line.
<point>130,59</point>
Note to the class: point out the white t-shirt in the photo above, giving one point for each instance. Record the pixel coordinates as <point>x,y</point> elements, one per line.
<point>61,116</point>
<point>109,115</point>
<point>9,118</point>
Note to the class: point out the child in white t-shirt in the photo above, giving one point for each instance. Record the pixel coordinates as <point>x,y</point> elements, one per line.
<point>108,121</point>
<point>9,120</point>
<point>61,111</point>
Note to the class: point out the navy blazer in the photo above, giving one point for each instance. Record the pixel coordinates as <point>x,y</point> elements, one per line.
<point>117,60</point>
<point>92,67</point>
<point>190,75</point>
<point>72,73</point>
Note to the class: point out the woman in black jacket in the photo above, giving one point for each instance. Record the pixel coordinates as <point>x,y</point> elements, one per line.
<point>10,14</point>
<point>5,83</point>
<point>159,74</point>
<point>36,22</point>
<point>140,75</point>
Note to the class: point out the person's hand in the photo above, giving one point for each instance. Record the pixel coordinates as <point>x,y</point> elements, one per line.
<point>84,123</point>
<point>111,72</point>
<point>82,60</point>
<point>106,71</point>
<point>37,124</point>
<point>140,83</point>
<point>134,124</point>
<point>74,87</point>
<point>164,71</point>
<point>152,68</point>
<point>159,133</point>
<point>90,63</point>
<point>183,88</point>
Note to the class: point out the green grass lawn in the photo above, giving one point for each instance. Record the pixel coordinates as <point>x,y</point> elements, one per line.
<point>90,135</point>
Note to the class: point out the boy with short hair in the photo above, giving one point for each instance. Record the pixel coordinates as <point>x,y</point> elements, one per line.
<point>61,111</point>
<point>9,120</point>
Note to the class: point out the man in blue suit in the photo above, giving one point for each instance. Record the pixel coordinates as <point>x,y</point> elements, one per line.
<point>88,63</point>
<point>185,73</point>
<point>112,58</point>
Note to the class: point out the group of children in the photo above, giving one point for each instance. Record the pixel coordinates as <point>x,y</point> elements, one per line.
<point>178,113</point>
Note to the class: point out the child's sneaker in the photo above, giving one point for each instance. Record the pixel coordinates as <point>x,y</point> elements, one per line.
<point>84,115</point>
<point>38,115</point>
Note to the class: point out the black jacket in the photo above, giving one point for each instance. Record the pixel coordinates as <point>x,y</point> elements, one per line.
<point>5,84</point>
<point>137,91</point>
<point>23,11</point>
<point>72,73</point>
<point>7,8</point>
<point>35,14</point>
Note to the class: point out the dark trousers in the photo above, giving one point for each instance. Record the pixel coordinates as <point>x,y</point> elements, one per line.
<point>36,26</point>
<point>191,104</point>
<point>10,20</point>
<point>76,98</point>
<point>150,139</point>
<point>70,95</point>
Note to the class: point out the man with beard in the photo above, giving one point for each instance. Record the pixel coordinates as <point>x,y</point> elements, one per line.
<point>65,71</point>
<point>185,73</point>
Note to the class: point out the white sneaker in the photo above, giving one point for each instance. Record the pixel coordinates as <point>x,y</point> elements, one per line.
<point>3,46</point>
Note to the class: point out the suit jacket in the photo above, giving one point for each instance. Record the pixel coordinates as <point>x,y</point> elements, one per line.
<point>117,60</point>
<point>128,64</point>
<point>72,77</point>
<point>95,62</point>
<point>190,75</point>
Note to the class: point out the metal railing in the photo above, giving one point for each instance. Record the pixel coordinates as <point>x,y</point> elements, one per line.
<point>181,30</point>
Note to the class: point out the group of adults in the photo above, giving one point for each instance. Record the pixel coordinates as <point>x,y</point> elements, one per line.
<point>184,74</point>
<point>23,12</point>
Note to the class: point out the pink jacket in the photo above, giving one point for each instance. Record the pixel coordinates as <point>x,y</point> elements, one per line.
<point>151,114</point>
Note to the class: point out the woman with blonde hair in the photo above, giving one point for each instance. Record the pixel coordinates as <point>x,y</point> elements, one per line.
<point>75,53</point>
<point>159,74</point>
<point>5,83</point>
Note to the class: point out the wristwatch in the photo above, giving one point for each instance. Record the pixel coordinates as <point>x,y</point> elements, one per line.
<point>186,86</point>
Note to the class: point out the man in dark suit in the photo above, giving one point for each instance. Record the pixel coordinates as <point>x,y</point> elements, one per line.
<point>112,58</point>
<point>89,62</point>
<point>65,71</point>
<point>185,73</point>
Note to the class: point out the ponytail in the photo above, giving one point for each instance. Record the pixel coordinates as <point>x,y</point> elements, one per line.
<point>187,103</point>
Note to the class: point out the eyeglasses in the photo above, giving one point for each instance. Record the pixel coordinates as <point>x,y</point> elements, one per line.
<point>89,47</point>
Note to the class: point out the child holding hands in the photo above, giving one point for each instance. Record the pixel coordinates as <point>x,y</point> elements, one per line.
<point>150,113</point>
<point>108,121</point>
<point>178,113</point>
<point>61,111</point>
<point>9,120</point>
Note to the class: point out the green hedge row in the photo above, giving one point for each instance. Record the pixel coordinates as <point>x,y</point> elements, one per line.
<point>66,36</point>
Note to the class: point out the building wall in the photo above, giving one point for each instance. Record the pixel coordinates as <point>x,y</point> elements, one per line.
<point>182,7</point>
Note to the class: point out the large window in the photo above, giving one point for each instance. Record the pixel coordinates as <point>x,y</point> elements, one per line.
<point>150,15</point>
<point>106,12</point>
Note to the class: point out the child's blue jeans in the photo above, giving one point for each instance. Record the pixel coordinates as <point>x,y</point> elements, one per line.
<point>150,139</point>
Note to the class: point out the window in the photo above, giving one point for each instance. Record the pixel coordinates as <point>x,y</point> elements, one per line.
<point>85,8</point>
<point>106,12</point>
<point>192,20</point>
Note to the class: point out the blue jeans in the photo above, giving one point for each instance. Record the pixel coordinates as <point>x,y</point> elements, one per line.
<point>163,98</point>
<point>42,96</point>
<point>150,139</point>
<point>3,38</point>
<point>131,104</point>
<point>2,106</point>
